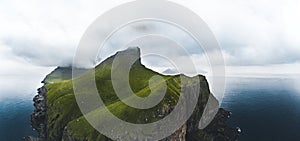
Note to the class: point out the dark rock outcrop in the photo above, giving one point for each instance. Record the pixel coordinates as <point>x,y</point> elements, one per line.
<point>38,116</point>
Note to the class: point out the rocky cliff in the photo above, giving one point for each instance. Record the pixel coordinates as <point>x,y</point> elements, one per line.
<point>57,115</point>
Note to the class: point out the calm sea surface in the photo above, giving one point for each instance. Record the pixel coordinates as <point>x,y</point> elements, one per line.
<point>266,109</point>
<point>14,121</point>
<point>16,93</point>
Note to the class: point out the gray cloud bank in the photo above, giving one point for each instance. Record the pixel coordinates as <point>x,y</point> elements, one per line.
<point>250,33</point>
<point>40,53</point>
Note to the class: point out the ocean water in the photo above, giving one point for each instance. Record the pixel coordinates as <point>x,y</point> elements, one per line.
<point>16,105</point>
<point>14,120</point>
<point>266,109</point>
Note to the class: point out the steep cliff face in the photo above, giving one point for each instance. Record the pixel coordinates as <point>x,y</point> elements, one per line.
<point>38,117</point>
<point>57,115</point>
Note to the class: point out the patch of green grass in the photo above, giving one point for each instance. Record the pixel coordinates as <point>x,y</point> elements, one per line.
<point>60,74</point>
<point>64,119</point>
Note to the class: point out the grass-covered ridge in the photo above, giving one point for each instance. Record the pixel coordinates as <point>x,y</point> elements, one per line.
<point>65,121</point>
<point>60,74</point>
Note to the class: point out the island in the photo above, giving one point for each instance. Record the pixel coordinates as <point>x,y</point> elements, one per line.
<point>57,117</point>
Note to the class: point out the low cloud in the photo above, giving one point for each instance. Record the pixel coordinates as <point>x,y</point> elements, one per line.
<point>39,53</point>
<point>258,32</point>
<point>252,33</point>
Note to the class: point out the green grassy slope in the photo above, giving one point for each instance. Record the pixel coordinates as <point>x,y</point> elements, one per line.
<point>65,121</point>
<point>60,74</point>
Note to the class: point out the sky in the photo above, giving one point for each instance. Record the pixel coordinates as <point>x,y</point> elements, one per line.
<point>256,36</point>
